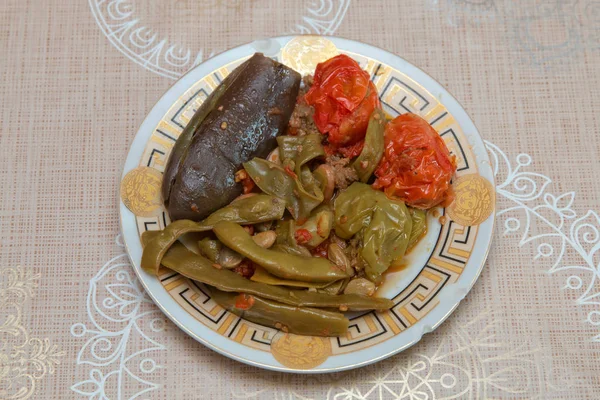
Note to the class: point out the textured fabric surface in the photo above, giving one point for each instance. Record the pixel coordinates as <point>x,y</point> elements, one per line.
<point>77,78</point>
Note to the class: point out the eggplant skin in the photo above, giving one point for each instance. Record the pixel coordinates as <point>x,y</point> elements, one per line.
<point>237,122</point>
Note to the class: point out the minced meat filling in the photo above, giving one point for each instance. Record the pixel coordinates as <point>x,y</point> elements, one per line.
<point>301,121</point>
<point>343,172</point>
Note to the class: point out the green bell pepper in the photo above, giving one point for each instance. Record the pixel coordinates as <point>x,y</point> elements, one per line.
<point>384,225</point>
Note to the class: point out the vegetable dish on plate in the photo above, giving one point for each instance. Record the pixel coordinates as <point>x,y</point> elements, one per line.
<point>300,194</point>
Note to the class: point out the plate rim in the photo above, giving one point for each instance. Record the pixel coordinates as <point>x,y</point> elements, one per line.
<point>347,45</point>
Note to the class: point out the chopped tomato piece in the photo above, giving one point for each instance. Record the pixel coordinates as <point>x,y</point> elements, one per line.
<point>302,236</point>
<point>248,185</point>
<point>244,301</point>
<point>290,172</point>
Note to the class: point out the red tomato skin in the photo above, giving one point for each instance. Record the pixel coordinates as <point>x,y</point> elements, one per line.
<point>353,128</point>
<point>416,166</point>
<point>344,98</point>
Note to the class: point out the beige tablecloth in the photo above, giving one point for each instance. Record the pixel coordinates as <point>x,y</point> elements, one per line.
<point>77,79</point>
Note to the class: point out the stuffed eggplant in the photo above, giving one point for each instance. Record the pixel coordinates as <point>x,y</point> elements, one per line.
<point>238,121</point>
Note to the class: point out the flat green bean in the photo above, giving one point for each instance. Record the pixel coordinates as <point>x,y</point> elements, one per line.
<point>283,265</point>
<point>419,225</point>
<point>284,184</point>
<point>261,275</point>
<point>195,267</point>
<point>210,248</point>
<point>298,320</point>
<point>249,210</point>
<point>372,151</point>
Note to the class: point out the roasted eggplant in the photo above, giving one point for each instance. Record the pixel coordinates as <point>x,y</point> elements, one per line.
<point>238,121</point>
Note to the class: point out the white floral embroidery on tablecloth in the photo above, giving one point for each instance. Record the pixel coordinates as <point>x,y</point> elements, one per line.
<point>563,241</point>
<point>159,54</point>
<point>545,33</point>
<point>458,12</point>
<point>24,360</point>
<point>471,360</point>
<point>124,329</point>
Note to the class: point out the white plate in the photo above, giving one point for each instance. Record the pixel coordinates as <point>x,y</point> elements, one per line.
<point>440,270</point>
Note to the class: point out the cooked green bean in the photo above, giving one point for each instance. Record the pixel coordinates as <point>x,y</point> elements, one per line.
<point>336,255</point>
<point>249,210</point>
<point>325,177</point>
<point>301,321</point>
<point>156,249</point>
<point>319,226</point>
<point>284,184</point>
<point>283,265</point>
<point>285,233</point>
<point>334,288</point>
<point>308,180</point>
<point>286,242</point>
<point>195,267</point>
<point>301,149</point>
<point>419,225</point>
<point>371,154</point>
<point>298,250</point>
<point>261,275</point>
<point>210,248</point>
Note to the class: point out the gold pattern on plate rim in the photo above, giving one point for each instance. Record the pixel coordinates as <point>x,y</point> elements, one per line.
<point>474,200</point>
<point>140,191</point>
<point>300,352</point>
<point>303,53</point>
